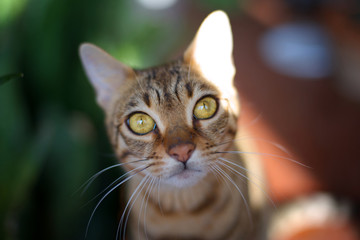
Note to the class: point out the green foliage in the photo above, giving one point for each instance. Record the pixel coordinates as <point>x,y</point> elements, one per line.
<point>9,77</point>
<point>226,5</point>
<point>52,137</point>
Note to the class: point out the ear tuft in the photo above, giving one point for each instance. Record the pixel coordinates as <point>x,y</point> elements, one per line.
<point>105,73</point>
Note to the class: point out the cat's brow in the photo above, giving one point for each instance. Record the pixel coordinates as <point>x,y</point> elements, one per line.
<point>132,103</point>
<point>158,95</point>
<point>146,99</point>
<point>189,89</point>
<point>178,79</point>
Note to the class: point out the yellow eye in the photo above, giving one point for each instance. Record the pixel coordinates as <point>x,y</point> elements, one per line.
<point>205,108</point>
<point>141,123</point>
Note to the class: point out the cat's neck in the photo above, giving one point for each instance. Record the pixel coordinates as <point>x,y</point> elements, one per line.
<point>190,198</point>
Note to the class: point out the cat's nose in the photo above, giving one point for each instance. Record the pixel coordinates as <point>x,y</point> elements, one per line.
<point>182,152</point>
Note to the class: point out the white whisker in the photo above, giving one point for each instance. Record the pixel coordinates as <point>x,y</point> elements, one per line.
<point>277,145</point>
<point>239,190</point>
<point>148,183</point>
<point>246,177</point>
<point>215,168</point>
<point>146,204</point>
<point>214,172</point>
<point>137,193</point>
<point>266,154</point>
<point>92,178</point>
<point>158,193</point>
<point>113,183</point>
<point>110,191</point>
<point>244,138</point>
<point>138,81</point>
<point>243,168</point>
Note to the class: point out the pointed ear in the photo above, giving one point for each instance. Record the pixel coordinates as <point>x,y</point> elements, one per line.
<point>211,52</point>
<point>212,47</point>
<point>106,74</point>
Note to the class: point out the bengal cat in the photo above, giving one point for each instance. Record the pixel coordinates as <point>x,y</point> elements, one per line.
<point>174,131</point>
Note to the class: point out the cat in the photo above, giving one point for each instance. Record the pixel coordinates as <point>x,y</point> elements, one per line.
<point>174,131</point>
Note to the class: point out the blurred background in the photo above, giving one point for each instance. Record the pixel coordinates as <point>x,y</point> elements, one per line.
<point>298,73</point>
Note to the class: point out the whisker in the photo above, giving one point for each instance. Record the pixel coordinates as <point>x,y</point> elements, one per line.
<point>241,194</point>
<point>215,173</point>
<point>246,177</point>
<point>279,146</point>
<point>138,81</point>
<point>229,106</point>
<point>143,199</point>
<point>243,168</point>
<point>228,141</point>
<point>158,193</point>
<point>112,184</point>
<point>266,154</point>
<point>146,204</point>
<point>86,185</point>
<point>137,193</point>
<point>111,190</point>
<point>214,167</point>
<point>254,120</point>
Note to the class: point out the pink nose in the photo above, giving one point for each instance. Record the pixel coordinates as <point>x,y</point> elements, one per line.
<point>182,152</point>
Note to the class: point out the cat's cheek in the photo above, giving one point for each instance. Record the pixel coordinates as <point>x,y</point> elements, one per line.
<point>127,134</point>
<point>140,145</point>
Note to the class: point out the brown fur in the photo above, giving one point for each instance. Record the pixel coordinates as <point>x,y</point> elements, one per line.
<point>171,201</point>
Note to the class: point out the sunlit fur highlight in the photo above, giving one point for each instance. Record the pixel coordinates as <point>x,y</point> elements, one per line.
<point>205,205</point>
<point>209,196</point>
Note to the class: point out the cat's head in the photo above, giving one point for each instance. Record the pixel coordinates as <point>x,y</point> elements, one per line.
<point>170,121</point>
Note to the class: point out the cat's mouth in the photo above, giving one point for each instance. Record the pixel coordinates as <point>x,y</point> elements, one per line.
<point>185,177</point>
<point>186,173</point>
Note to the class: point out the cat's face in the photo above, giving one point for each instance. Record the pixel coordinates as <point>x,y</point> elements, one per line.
<point>169,122</point>
<point>173,119</point>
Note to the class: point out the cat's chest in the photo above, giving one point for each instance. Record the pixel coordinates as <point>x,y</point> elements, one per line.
<point>218,211</point>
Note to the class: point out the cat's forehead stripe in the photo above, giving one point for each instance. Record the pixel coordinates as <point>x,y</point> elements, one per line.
<point>158,95</point>
<point>171,78</point>
<point>189,89</point>
<point>146,99</point>
<point>178,79</point>
<point>166,86</point>
<point>132,103</point>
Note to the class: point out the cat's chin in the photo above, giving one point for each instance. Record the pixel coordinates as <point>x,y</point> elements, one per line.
<point>185,178</point>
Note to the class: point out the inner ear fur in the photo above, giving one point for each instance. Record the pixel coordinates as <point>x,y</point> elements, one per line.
<point>106,74</point>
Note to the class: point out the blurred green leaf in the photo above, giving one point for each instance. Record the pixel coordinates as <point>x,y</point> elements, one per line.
<point>18,174</point>
<point>9,9</point>
<point>52,134</point>
<point>9,77</point>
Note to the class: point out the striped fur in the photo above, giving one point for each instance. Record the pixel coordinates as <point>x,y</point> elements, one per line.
<point>205,199</point>
<point>205,207</point>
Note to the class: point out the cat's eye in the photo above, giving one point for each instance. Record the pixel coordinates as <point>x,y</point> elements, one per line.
<point>205,108</point>
<point>141,123</point>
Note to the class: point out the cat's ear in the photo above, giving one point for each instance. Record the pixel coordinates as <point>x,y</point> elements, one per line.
<point>106,74</point>
<point>211,52</point>
<point>211,49</point>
